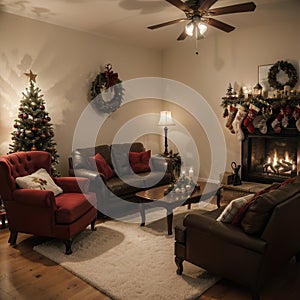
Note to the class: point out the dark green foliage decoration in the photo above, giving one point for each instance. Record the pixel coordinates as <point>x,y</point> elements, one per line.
<point>287,68</point>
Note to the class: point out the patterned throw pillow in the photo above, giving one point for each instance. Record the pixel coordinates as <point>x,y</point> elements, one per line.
<point>139,161</point>
<point>233,208</point>
<point>97,162</point>
<point>39,180</point>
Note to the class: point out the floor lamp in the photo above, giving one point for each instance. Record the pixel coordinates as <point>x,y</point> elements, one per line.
<point>166,120</point>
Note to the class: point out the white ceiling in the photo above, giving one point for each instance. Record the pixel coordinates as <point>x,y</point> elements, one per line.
<point>127,20</point>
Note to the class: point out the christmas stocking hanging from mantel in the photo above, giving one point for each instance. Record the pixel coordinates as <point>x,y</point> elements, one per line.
<point>231,115</point>
<point>286,116</point>
<point>237,122</point>
<point>276,124</point>
<point>296,116</point>
<point>248,122</point>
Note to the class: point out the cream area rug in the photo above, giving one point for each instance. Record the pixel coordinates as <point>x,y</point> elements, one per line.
<point>125,262</point>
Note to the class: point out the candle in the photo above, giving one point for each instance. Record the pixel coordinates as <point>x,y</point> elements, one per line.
<point>191,173</point>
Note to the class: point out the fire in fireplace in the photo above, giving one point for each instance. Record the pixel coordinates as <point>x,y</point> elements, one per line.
<point>276,165</point>
<point>270,158</point>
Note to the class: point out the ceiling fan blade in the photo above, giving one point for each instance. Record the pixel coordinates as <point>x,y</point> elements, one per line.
<point>182,36</point>
<point>206,4</point>
<point>220,25</point>
<point>166,23</point>
<point>181,5</point>
<point>231,9</point>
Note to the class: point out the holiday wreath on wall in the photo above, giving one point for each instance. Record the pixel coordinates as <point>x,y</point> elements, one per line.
<point>107,91</point>
<point>287,68</point>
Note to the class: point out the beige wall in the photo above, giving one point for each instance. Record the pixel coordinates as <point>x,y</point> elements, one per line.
<point>66,62</point>
<point>229,58</point>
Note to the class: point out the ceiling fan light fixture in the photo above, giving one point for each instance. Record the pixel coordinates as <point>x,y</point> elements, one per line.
<point>189,28</point>
<point>202,28</point>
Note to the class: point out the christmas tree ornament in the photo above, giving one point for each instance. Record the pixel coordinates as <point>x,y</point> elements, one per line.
<point>248,122</point>
<point>29,133</point>
<point>25,116</point>
<point>42,107</point>
<point>33,148</point>
<point>237,122</point>
<point>31,76</point>
<point>232,112</point>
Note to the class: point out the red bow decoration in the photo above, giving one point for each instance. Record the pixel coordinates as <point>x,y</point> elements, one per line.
<point>111,78</point>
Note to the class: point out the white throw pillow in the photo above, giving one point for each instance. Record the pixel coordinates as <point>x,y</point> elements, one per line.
<point>233,208</point>
<point>39,180</point>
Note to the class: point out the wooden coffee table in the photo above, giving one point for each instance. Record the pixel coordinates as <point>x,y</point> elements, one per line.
<point>155,197</point>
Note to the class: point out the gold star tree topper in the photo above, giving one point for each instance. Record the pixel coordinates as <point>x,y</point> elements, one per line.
<point>31,76</point>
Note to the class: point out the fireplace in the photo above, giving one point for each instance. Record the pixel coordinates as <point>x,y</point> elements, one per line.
<point>271,157</point>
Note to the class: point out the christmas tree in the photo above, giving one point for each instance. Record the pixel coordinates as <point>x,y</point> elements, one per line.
<point>33,130</point>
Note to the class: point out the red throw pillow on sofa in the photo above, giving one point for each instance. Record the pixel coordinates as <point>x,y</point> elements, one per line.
<point>102,166</point>
<point>139,161</point>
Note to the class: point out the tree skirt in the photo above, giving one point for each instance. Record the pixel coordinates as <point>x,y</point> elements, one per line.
<point>125,262</point>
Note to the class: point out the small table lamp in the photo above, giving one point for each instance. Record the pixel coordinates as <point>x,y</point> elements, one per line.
<point>166,120</point>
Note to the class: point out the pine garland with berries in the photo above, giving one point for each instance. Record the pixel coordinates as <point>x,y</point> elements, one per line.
<point>33,130</point>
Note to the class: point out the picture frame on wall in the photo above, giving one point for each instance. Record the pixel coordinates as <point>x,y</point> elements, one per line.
<point>263,71</point>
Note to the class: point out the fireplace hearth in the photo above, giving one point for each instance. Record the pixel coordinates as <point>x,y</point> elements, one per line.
<point>271,157</point>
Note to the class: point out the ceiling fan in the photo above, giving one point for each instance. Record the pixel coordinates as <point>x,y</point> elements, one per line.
<point>199,14</point>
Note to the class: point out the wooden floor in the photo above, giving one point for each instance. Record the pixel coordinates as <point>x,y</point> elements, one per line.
<point>25,274</point>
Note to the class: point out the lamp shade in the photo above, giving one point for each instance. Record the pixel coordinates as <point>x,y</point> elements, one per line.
<point>165,118</point>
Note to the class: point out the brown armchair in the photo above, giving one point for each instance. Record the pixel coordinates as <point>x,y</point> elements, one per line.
<point>39,212</point>
<point>251,253</point>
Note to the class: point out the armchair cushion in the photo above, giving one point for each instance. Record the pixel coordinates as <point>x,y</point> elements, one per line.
<point>260,210</point>
<point>139,161</point>
<point>97,162</point>
<point>240,215</point>
<point>71,207</point>
<point>39,180</point>
<point>73,184</point>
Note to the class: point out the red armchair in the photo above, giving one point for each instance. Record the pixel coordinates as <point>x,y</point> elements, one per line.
<point>39,212</point>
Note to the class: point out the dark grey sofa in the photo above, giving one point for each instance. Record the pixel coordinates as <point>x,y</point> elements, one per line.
<point>116,195</point>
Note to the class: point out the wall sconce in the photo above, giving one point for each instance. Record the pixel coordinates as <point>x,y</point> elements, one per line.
<point>166,120</point>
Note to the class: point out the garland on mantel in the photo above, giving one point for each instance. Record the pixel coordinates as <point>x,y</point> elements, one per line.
<point>253,112</point>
